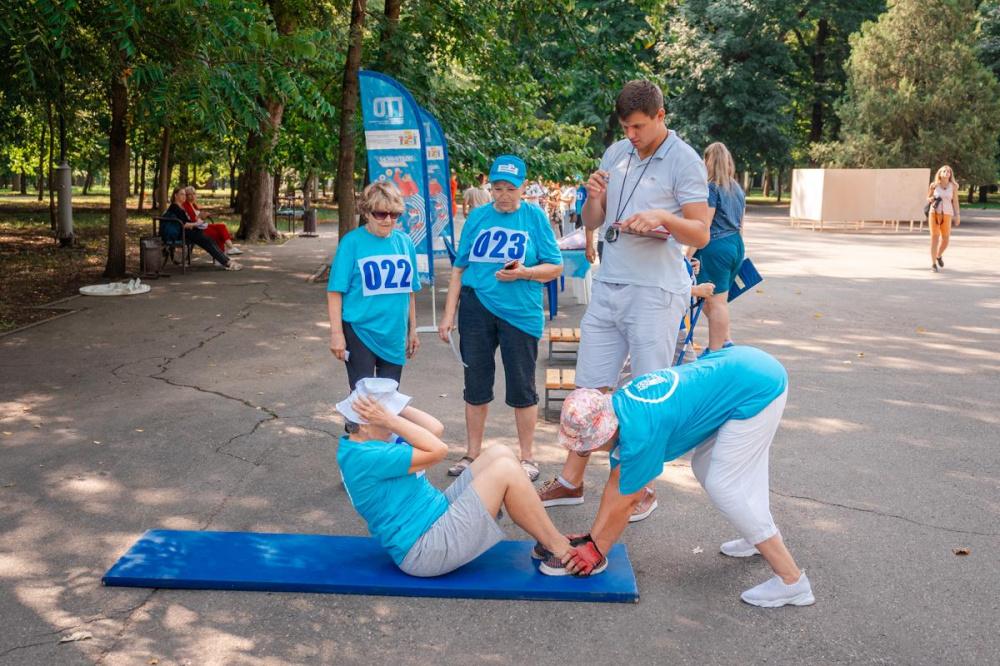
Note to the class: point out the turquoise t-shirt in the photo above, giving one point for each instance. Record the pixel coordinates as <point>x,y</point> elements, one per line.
<point>491,239</point>
<point>398,507</point>
<point>664,414</point>
<point>376,276</point>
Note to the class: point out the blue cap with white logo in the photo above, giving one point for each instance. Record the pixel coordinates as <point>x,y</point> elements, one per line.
<point>510,168</point>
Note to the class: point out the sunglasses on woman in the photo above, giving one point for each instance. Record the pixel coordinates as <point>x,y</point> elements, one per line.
<point>385,214</point>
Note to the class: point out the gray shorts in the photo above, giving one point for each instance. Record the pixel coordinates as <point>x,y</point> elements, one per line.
<point>462,533</point>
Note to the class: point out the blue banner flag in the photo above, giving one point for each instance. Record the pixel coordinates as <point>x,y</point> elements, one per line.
<point>438,177</point>
<point>395,144</point>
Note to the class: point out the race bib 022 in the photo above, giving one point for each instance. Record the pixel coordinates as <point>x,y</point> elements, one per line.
<point>498,245</point>
<point>386,274</point>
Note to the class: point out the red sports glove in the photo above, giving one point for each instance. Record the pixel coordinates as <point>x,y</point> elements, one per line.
<point>585,557</point>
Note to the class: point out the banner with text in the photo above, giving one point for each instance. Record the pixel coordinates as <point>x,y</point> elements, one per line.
<point>438,178</point>
<point>393,137</point>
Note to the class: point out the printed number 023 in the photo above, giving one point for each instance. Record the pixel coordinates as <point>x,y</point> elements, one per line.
<point>499,245</point>
<point>379,275</point>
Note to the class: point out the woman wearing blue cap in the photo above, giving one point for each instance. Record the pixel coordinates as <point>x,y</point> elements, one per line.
<point>507,252</point>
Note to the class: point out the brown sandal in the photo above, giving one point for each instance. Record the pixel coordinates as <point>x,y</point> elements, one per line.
<point>460,466</point>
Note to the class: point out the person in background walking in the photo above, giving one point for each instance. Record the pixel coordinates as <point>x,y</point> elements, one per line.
<point>942,195</point>
<point>721,258</point>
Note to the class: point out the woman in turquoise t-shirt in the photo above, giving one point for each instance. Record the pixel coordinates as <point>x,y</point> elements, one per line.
<point>428,532</point>
<point>506,253</point>
<point>725,407</point>
<point>373,320</point>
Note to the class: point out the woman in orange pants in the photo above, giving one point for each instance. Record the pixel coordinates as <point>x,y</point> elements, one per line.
<point>942,195</point>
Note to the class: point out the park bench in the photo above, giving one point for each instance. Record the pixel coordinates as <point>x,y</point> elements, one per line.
<point>564,337</point>
<point>290,208</point>
<point>170,247</point>
<point>558,383</point>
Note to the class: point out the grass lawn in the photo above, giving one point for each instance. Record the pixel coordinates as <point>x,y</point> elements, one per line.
<point>34,270</point>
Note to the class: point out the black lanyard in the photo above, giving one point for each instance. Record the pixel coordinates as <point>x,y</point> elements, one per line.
<point>620,207</point>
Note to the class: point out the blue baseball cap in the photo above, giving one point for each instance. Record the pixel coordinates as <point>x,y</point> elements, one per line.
<point>510,168</point>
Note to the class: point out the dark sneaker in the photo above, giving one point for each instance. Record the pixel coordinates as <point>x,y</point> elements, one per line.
<point>646,506</point>
<point>553,493</point>
<point>940,262</point>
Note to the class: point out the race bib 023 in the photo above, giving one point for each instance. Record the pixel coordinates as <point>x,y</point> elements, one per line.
<point>498,245</point>
<point>386,274</point>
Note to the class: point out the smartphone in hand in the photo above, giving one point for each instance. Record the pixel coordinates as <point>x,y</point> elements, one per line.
<point>510,265</point>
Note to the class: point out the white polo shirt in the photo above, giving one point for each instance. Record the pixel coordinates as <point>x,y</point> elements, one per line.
<point>675,176</point>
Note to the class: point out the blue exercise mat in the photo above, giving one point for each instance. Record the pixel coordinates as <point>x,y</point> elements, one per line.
<point>349,565</point>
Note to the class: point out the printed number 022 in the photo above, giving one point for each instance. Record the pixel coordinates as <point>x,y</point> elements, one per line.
<point>378,275</point>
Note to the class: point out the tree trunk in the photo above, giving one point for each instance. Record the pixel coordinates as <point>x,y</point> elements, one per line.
<point>972,191</point>
<point>765,185</point>
<point>183,176</point>
<point>18,182</point>
<point>819,80</point>
<point>194,175</point>
<point>142,183</point>
<point>135,171</point>
<point>386,63</point>
<point>983,192</point>
<point>276,192</point>
<point>41,165</point>
<point>242,187</point>
<point>307,193</point>
<point>232,186</point>
<point>163,183</point>
<point>348,108</point>
<point>88,182</point>
<point>154,205</point>
<point>52,193</point>
<point>118,174</point>
<point>777,185</point>
<point>257,218</point>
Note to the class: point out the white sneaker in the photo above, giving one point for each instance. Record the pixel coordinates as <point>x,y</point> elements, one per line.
<point>234,266</point>
<point>774,593</point>
<point>738,548</point>
<point>234,251</point>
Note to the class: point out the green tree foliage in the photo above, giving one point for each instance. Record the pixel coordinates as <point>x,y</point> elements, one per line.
<point>819,45</point>
<point>918,96</point>
<point>726,67</point>
<point>988,36</point>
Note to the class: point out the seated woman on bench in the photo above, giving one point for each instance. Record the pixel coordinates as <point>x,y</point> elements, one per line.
<point>428,532</point>
<point>192,233</point>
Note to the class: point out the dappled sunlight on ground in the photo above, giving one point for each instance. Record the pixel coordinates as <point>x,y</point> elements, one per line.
<point>209,405</point>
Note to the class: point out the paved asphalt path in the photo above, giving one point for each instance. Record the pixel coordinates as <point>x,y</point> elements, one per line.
<point>206,404</point>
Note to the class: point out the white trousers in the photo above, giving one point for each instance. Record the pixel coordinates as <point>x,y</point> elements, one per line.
<point>623,320</point>
<point>732,467</point>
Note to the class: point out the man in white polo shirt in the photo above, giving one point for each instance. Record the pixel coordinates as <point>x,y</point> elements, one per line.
<point>648,198</point>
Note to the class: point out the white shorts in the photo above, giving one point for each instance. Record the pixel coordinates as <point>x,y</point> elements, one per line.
<point>624,320</point>
<point>732,467</point>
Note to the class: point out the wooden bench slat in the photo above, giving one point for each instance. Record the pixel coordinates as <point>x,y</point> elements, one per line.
<point>568,379</point>
<point>552,378</point>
